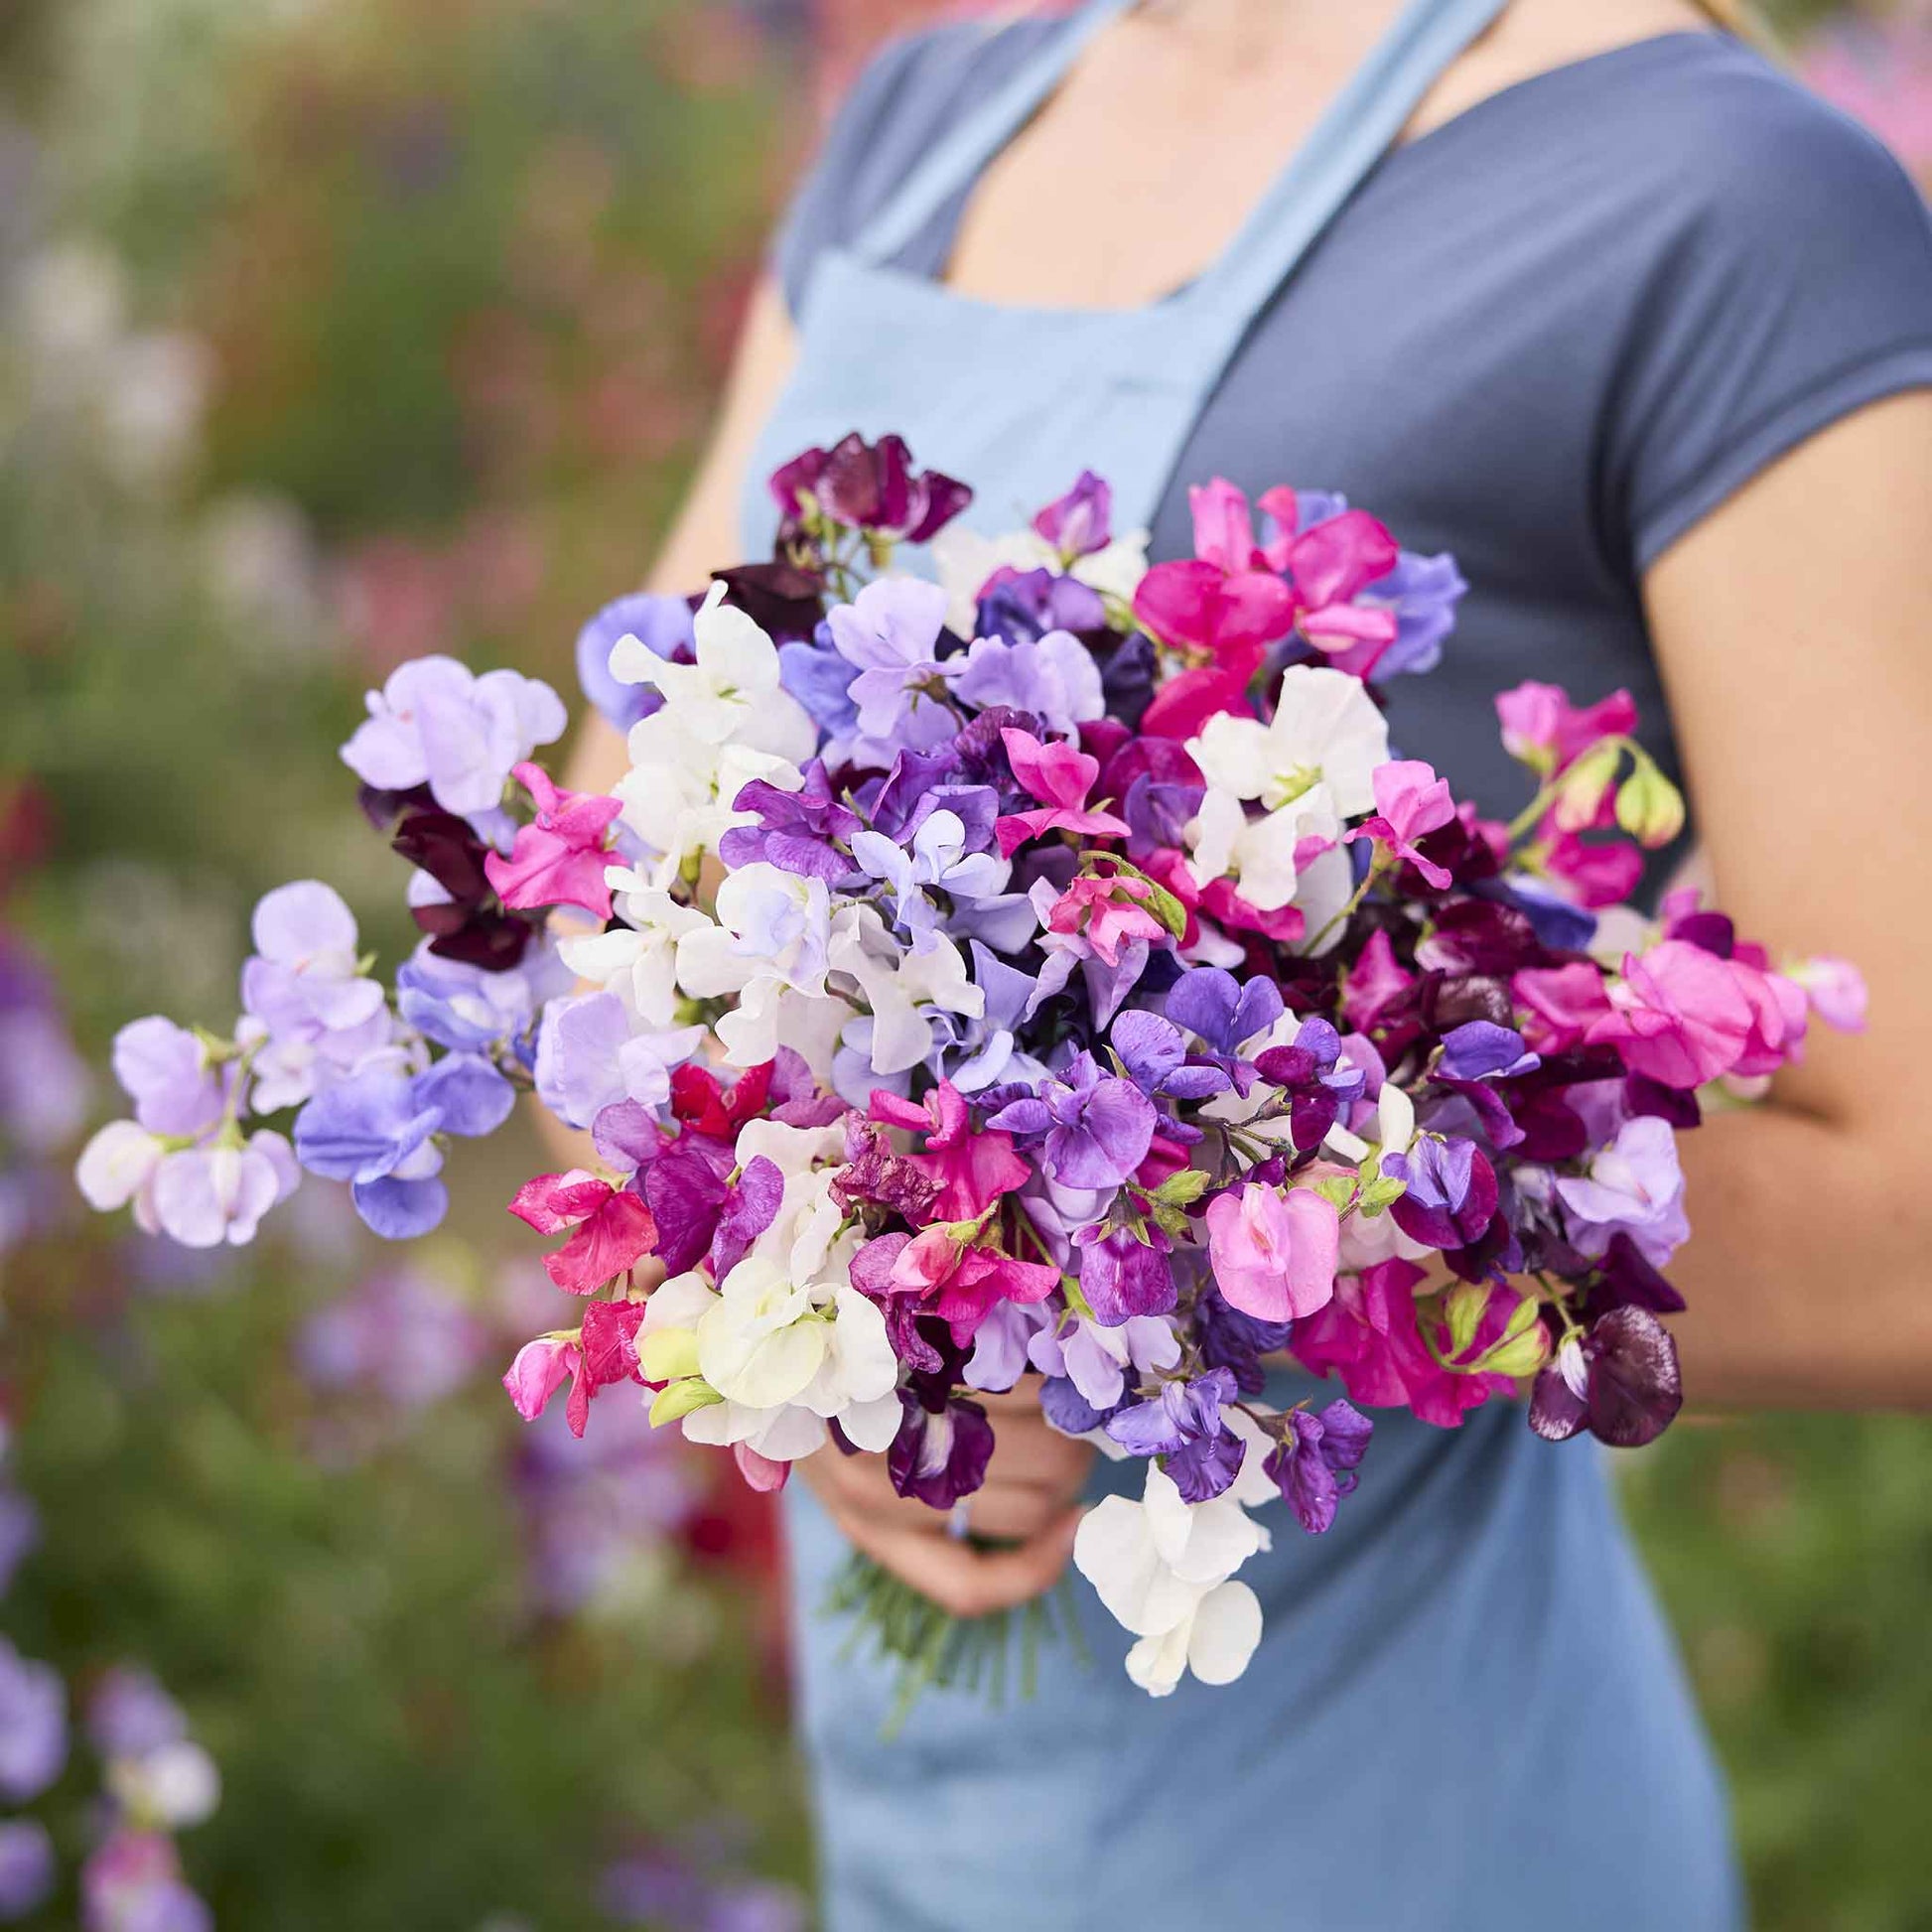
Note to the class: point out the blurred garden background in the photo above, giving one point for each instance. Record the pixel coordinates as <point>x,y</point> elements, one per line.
<point>333,331</point>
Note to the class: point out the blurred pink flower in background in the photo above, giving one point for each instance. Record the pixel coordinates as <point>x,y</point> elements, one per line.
<point>1879,69</point>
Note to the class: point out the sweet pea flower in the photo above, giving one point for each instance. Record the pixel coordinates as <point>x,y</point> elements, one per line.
<point>872,487</point>
<point>890,632</point>
<point>1095,1128</point>
<point>1080,522</point>
<point>729,694</point>
<point>376,1130</point>
<point>165,1071</point>
<point>1110,911</point>
<point>1274,1254</point>
<point>636,962</point>
<point>1621,1381</point>
<point>662,625</point>
<point>1326,731</point>
<point>971,1170</point>
<point>1184,1427</point>
<point>1097,1358</point>
<point>611,1228</point>
<point>1319,1461</point>
<point>474,1010</point>
<point>1125,1271</point>
<point>1679,1015</point>
<point>592,1054</point>
<point>560,860</point>
<point>1054,677</point>
<point>902,989</point>
<point>1060,778</point>
<point>1410,803</point>
<point>436,724</point>
<point>203,1196</point>
<point>1634,1186</point>
<point>1545,731</point>
<point>680,794</point>
<point>1162,1567</point>
<point>960,1279</point>
<point>941,1449</point>
<point>796,831</point>
<point>942,855</point>
<point>305,977</point>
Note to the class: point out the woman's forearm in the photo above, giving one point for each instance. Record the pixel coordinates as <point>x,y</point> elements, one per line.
<point>1807,1272</point>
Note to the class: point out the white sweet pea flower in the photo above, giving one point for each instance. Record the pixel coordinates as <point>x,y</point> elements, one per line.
<point>1325,731</point>
<point>803,1238</point>
<point>732,694</point>
<point>896,985</point>
<point>638,964</point>
<point>117,1167</point>
<point>1162,1567</point>
<point>771,938</point>
<point>1260,855</point>
<point>678,795</point>
<point>762,1342</point>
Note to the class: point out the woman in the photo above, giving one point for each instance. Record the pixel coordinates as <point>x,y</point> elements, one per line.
<point>1583,291</point>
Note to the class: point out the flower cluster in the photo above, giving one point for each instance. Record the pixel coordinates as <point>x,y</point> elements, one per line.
<point>1048,974</point>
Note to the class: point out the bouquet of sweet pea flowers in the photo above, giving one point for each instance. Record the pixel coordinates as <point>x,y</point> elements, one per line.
<point>1033,968</point>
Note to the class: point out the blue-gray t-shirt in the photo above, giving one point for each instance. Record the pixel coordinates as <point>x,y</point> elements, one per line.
<point>1548,336</point>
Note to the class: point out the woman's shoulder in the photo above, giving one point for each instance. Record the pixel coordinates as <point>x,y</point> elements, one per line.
<point>913,88</point>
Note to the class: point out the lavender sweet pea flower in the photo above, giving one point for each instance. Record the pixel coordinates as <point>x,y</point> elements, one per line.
<point>304,978</point>
<point>663,625</point>
<point>1634,1186</point>
<point>473,1010</point>
<point>1223,1013</point>
<point>1184,1425</point>
<point>1423,591</point>
<point>983,1051</point>
<point>940,856</point>
<point>27,1871</point>
<point>375,1131</point>
<point>821,680</point>
<point>130,1715</point>
<point>797,831</point>
<point>1319,1461</point>
<point>164,1070</point>
<point>1096,1359</point>
<point>1054,677</point>
<point>590,1056</point>
<point>892,633</point>
<point>1154,1054</point>
<point>1024,605</point>
<point>218,1192</point>
<point>436,724</point>
<point>1480,1050</point>
<point>33,1726</point>
<point>1001,1343</point>
<point>1096,1129</point>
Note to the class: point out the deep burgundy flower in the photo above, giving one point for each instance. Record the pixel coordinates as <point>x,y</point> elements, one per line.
<point>786,601</point>
<point>471,925</point>
<point>1622,1382</point>
<point>941,1449</point>
<point>872,487</point>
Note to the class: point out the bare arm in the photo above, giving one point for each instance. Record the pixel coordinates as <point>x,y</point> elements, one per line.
<point>1791,627</point>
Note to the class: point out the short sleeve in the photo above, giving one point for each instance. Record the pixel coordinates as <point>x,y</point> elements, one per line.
<point>1795,288</point>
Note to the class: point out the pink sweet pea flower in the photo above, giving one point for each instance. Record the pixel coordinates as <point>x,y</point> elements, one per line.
<point>1545,731</point>
<point>760,1472</point>
<point>972,1169</point>
<point>1374,982</point>
<point>561,859</point>
<point>1329,566</point>
<point>602,1351</point>
<point>541,1368</point>
<point>1595,874</point>
<point>1564,1004</point>
<point>1679,1015</point>
<point>1111,910</point>
<point>1060,778</point>
<point>615,1230</point>
<point>1411,802</point>
<point>1273,1255</point>
<point>961,1282</point>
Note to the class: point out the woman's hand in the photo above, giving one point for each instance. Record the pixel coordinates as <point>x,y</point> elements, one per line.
<point>1030,1496</point>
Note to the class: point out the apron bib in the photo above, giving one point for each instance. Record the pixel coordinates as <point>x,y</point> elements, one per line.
<point>1017,401</point>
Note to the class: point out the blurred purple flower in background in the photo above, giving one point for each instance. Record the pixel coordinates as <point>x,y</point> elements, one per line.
<point>33,1726</point>
<point>26,1866</point>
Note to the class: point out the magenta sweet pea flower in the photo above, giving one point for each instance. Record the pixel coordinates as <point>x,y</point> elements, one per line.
<point>1545,731</point>
<point>601,1352</point>
<point>960,1281</point>
<point>561,859</point>
<point>540,1369</point>
<point>1410,803</point>
<point>1274,1254</point>
<point>971,1170</point>
<point>1060,778</point>
<point>611,1229</point>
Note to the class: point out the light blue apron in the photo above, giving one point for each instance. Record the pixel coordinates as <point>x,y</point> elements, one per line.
<point>1466,1712</point>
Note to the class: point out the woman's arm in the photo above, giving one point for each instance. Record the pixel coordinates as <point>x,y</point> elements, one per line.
<point>1792,628</point>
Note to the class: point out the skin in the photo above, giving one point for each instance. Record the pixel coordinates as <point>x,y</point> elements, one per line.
<point>1786,626</point>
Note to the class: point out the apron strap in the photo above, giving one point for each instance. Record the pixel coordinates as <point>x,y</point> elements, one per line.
<point>1358,129</point>
<point>963,151</point>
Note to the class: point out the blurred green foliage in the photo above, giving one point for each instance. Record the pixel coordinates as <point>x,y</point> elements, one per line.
<point>342,330</point>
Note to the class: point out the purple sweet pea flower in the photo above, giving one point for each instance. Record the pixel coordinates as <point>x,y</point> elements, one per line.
<point>130,1715</point>
<point>748,1209</point>
<point>1097,1127</point>
<point>27,1871</point>
<point>892,633</point>
<point>1082,521</point>
<point>1450,1195</point>
<point>686,1191</point>
<point>983,1051</point>
<point>1423,591</point>
<point>163,1069</point>
<point>1054,677</point>
<point>821,680</point>
<point>375,1131</point>
<point>1154,1054</point>
<point>1318,1078</point>
<point>1481,1051</point>
<point>872,487</point>
<point>1223,1011</point>
<point>436,724</point>
<point>663,625</point>
<point>1318,1462</point>
<point>1620,1382</point>
<point>1001,1343</point>
<point>941,1452</point>
<point>1097,1359</point>
<point>797,831</point>
<point>1232,1339</point>
<point>33,1726</point>
<point>218,1193</point>
<point>1185,1423</point>
<point>1024,605</point>
<point>1066,1409</point>
<point>1124,1275</point>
